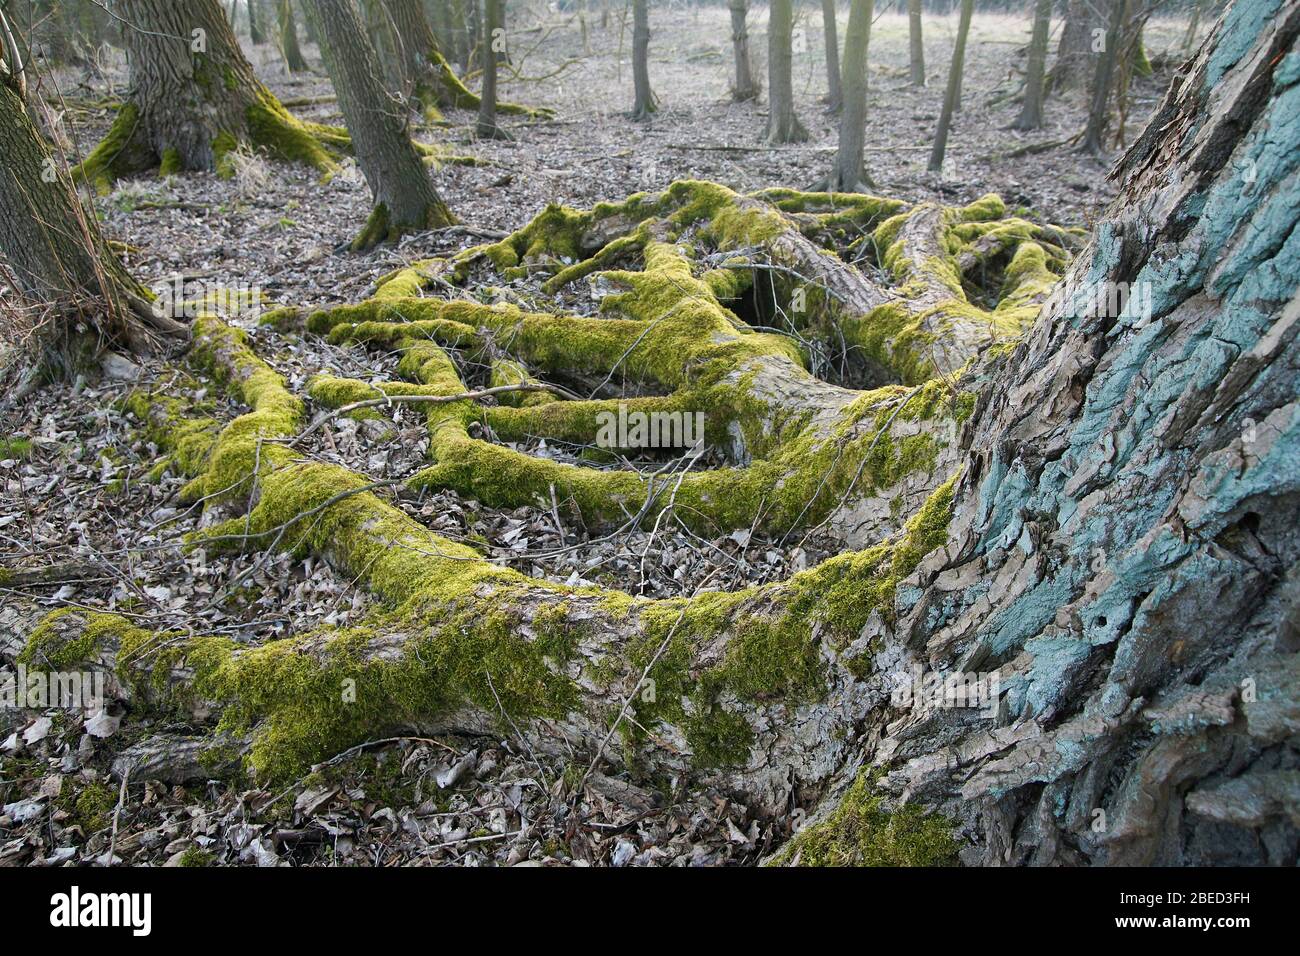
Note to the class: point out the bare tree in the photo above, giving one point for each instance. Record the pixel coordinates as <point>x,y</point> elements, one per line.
<point>849,174</point>
<point>644,102</point>
<point>1031,109</point>
<point>1075,56</point>
<point>405,199</point>
<point>834,95</point>
<point>782,124</point>
<point>745,88</point>
<point>256,31</point>
<point>915,44</point>
<point>953,93</point>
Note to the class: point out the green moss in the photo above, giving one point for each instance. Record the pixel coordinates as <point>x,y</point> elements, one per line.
<point>118,154</point>
<point>861,832</point>
<point>15,448</point>
<point>94,806</point>
<point>194,856</point>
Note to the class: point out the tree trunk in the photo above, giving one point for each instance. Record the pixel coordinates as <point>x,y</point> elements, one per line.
<point>834,96</point>
<point>194,100</point>
<point>56,255</point>
<point>916,44</point>
<point>256,32</point>
<point>953,93</point>
<point>1101,83</point>
<point>494,12</point>
<point>378,23</point>
<point>850,175</point>
<point>745,88</point>
<point>1031,110</point>
<point>294,61</point>
<point>1075,55</point>
<point>782,124</point>
<point>405,199</point>
<point>644,102</point>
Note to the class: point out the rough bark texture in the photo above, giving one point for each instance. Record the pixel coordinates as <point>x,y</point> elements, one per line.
<point>782,125</point>
<point>405,199</point>
<point>834,95</point>
<point>849,175</point>
<point>916,44</point>
<point>744,88</point>
<point>54,248</point>
<point>643,103</point>
<point>1031,110</point>
<point>953,93</point>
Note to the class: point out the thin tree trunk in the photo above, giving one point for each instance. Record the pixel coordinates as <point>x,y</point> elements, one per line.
<point>494,20</point>
<point>1031,109</point>
<point>783,125</point>
<point>55,252</point>
<point>916,44</point>
<point>255,31</point>
<point>294,61</point>
<point>745,88</point>
<point>1101,84</point>
<point>849,175</point>
<point>644,103</point>
<point>379,29</point>
<point>954,87</point>
<point>834,96</point>
<point>405,199</point>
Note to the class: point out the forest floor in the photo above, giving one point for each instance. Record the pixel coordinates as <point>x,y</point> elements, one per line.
<point>77,513</point>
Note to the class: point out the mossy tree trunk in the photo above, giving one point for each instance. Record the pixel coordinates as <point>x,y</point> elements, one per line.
<point>643,102</point>
<point>744,88</point>
<point>850,174</point>
<point>834,95</point>
<point>195,100</point>
<point>1031,109</point>
<point>54,249</point>
<point>952,94</point>
<point>783,125</point>
<point>294,61</point>
<point>405,198</point>
<point>915,44</point>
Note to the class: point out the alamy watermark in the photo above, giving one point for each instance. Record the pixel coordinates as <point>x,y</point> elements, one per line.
<point>625,429</point>
<point>1103,300</point>
<point>939,690</point>
<point>179,298</point>
<point>41,690</point>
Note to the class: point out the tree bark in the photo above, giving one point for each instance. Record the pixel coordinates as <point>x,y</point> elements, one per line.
<point>256,32</point>
<point>850,175</point>
<point>294,61</point>
<point>953,93</point>
<point>1031,110</point>
<point>405,199</point>
<point>644,102</point>
<point>745,88</point>
<point>834,95</point>
<point>782,124</point>
<point>916,44</point>
<point>56,255</point>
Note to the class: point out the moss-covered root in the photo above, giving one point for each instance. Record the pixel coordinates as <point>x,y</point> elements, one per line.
<point>862,832</point>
